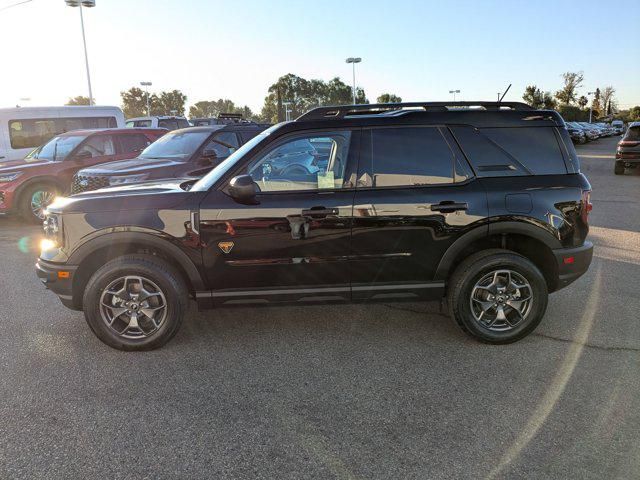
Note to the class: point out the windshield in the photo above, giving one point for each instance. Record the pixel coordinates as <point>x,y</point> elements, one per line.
<point>178,145</point>
<point>206,182</point>
<point>56,149</point>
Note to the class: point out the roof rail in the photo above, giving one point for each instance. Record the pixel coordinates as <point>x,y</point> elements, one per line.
<point>342,111</point>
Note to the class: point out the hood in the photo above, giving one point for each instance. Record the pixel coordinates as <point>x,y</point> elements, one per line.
<point>125,198</point>
<point>124,167</point>
<point>19,165</point>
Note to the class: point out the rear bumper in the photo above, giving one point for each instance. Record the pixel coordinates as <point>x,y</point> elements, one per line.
<point>572,263</point>
<point>59,279</point>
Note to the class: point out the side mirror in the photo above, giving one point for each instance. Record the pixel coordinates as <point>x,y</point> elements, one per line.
<point>82,155</point>
<point>243,189</point>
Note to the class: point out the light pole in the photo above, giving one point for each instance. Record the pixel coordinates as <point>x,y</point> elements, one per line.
<point>88,4</point>
<point>590,106</point>
<point>454,93</point>
<point>146,85</point>
<point>353,61</point>
<point>287,110</point>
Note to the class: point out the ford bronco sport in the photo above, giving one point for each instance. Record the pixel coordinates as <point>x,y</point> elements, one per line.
<point>479,202</point>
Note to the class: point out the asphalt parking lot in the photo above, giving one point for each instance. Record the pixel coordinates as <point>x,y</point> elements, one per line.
<point>379,391</point>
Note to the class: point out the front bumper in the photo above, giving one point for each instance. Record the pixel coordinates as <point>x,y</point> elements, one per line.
<point>572,263</point>
<point>59,279</point>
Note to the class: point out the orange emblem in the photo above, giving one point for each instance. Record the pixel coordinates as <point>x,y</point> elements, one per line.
<point>225,246</point>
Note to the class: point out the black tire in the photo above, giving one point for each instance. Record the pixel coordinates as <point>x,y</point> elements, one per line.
<point>472,270</point>
<point>29,194</point>
<point>169,282</point>
<point>618,168</point>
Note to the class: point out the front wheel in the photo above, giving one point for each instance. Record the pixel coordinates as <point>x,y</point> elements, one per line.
<point>35,200</point>
<point>497,296</point>
<point>135,302</point>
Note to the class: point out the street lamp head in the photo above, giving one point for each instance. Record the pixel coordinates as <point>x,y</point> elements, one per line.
<point>353,60</point>
<point>84,3</point>
<point>146,84</point>
<point>454,91</point>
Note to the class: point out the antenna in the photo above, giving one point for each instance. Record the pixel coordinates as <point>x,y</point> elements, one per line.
<point>505,92</point>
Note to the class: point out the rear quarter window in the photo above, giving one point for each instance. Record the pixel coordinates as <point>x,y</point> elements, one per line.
<point>495,152</point>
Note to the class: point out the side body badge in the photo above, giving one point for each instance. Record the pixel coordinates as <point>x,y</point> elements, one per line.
<point>225,246</point>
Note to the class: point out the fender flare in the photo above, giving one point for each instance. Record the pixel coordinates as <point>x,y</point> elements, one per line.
<point>520,228</point>
<point>119,238</point>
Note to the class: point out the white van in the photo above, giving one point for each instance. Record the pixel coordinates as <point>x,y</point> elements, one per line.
<point>23,129</point>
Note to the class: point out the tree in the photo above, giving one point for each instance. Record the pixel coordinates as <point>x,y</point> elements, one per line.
<point>596,106</point>
<point>299,95</point>
<point>168,103</point>
<point>548,102</point>
<point>79,100</point>
<point>583,102</point>
<point>607,99</point>
<point>572,81</point>
<point>134,103</point>
<point>213,108</point>
<point>538,99</point>
<point>388,98</point>
<point>533,96</point>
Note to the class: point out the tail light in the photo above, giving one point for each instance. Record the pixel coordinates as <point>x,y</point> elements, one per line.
<point>587,206</point>
<point>628,143</point>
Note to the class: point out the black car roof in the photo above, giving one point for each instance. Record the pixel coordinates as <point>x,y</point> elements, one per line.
<point>477,114</point>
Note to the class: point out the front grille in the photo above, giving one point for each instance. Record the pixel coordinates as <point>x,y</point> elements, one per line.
<point>1,198</point>
<point>86,183</point>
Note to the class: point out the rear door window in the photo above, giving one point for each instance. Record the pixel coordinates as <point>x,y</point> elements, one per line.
<point>536,148</point>
<point>406,156</point>
<point>170,124</point>
<point>133,143</point>
<point>223,143</point>
<point>98,146</point>
<point>499,152</point>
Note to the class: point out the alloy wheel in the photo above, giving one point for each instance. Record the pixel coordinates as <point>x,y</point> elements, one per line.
<point>40,200</point>
<point>133,307</point>
<point>501,300</point>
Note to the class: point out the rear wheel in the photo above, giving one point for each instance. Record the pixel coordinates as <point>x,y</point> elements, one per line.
<point>497,296</point>
<point>135,302</point>
<point>618,168</point>
<point>34,201</point>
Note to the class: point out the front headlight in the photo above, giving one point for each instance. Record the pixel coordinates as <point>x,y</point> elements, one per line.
<point>123,180</point>
<point>9,177</point>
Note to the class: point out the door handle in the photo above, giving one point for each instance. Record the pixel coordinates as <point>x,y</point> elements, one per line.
<point>320,212</point>
<point>449,206</point>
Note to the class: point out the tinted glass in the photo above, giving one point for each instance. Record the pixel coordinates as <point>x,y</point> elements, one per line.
<point>297,165</point>
<point>142,123</point>
<point>223,143</point>
<point>408,156</point>
<point>633,134</point>
<point>178,146</point>
<point>35,132</point>
<point>57,148</point>
<point>133,143</point>
<point>98,146</point>
<point>168,124</point>
<point>537,149</point>
<point>182,123</point>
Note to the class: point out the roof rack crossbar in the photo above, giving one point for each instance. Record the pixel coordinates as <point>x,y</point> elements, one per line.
<point>341,111</point>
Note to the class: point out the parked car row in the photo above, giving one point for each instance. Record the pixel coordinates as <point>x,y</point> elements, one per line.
<point>583,132</point>
<point>88,159</point>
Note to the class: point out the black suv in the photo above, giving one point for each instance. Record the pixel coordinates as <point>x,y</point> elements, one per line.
<point>481,202</point>
<point>187,153</point>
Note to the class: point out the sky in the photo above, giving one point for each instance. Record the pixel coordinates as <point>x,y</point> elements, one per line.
<point>417,49</point>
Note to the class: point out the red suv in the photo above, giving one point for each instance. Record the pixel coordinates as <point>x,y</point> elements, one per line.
<point>27,186</point>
